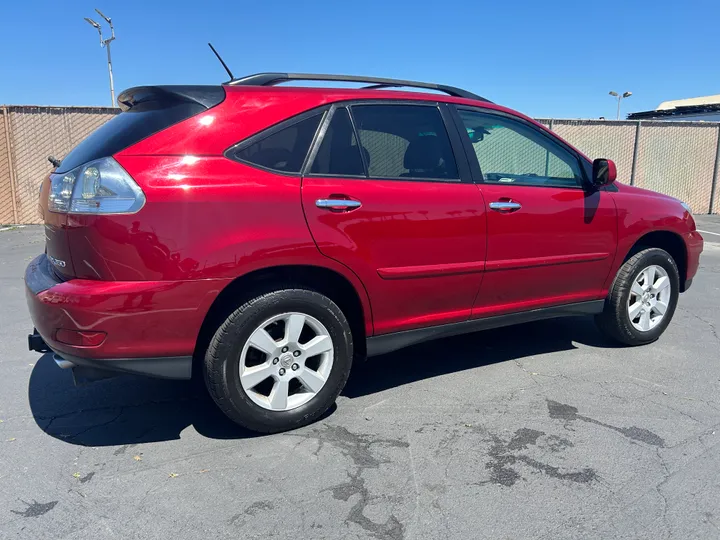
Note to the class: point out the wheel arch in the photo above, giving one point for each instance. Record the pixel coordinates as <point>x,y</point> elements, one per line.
<point>333,284</point>
<point>668,241</point>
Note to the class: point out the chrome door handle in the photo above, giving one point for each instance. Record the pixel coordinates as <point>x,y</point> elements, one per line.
<point>505,206</point>
<point>337,204</point>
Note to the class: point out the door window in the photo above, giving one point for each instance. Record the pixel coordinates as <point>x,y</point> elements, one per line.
<point>511,152</point>
<point>339,153</point>
<point>405,141</point>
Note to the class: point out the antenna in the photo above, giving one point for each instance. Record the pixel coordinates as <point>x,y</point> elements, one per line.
<point>221,61</point>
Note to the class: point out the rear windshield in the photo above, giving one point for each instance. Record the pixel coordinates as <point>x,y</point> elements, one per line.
<point>126,129</point>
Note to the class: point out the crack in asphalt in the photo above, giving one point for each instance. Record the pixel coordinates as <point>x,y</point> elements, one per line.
<point>699,318</point>
<point>54,417</point>
<point>358,448</point>
<point>392,529</point>
<point>70,438</point>
<point>252,510</point>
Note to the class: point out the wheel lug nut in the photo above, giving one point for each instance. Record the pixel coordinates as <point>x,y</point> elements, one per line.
<point>284,349</point>
<point>276,360</point>
<point>295,367</point>
<point>296,353</point>
<point>282,371</point>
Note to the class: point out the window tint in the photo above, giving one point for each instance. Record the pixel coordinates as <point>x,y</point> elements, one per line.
<point>405,141</point>
<point>284,150</point>
<point>126,129</point>
<point>339,153</point>
<point>511,152</point>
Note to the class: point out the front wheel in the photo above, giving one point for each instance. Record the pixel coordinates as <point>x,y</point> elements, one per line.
<point>642,299</point>
<point>280,360</point>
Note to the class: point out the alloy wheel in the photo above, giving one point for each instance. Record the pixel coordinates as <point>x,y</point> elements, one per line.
<point>649,298</point>
<point>286,361</point>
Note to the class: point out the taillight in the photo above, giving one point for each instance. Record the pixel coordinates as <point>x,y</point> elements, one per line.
<point>99,187</point>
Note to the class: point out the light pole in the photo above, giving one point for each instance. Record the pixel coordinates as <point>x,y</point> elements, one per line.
<point>106,43</point>
<point>620,97</point>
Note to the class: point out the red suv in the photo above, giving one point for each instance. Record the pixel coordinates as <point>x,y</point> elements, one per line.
<point>268,236</point>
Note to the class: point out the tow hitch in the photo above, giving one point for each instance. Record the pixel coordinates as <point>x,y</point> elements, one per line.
<point>37,343</point>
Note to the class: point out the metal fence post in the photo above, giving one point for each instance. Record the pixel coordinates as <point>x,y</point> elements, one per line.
<point>716,173</point>
<point>11,170</point>
<point>547,152</point>
<point>635,154</point>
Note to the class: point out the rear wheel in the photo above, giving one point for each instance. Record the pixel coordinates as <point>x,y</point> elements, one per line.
<point>280,360</point>
<point>642,300</point>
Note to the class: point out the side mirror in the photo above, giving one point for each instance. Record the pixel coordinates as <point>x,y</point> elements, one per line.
<point>604,172</point>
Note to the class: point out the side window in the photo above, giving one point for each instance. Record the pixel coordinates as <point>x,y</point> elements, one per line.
<point>405,141</point>
<point>510,152</point>
<point>283,150</point>
<point>339,153</point>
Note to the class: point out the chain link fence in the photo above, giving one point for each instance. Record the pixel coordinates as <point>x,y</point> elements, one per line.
<point>681,159</point>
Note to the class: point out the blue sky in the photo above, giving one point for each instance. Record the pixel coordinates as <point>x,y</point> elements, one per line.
<point>545,58</point>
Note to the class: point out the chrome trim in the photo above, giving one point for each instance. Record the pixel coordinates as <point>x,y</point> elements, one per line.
<point>62,363</point>
<point>57,262</point>
<point>337,203</point>
<point>505,205</point>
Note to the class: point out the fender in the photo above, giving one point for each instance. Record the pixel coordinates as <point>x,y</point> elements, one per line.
<point>636,218</point>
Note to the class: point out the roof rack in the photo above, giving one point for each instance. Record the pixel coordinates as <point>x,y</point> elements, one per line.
<point>271,79</point>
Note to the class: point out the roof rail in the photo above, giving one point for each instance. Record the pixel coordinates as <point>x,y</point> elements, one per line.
<point>270,79</point>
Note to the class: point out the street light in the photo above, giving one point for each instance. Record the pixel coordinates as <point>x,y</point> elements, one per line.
<point>106,43</point>
<point>620,97</point>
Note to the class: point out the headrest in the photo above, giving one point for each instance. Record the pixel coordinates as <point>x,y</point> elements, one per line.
<point>424,153</point>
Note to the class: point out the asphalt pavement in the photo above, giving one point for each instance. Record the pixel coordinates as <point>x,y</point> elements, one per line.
<point>543,430</point>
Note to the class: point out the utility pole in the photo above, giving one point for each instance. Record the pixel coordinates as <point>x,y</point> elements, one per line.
<point>106,43</point>
<point>620,97</point>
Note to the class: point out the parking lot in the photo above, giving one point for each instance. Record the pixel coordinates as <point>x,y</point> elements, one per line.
<point>543,430</point>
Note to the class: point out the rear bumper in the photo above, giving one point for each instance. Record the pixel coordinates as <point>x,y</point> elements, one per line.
<point>174,367</point>
<point>151,327</point>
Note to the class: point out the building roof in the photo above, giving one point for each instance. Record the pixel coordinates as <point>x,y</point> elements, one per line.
<point>681,108</point>
<point>703,100</point>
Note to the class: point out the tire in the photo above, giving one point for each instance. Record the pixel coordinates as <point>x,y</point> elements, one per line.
<point>231,346</point>
<point>615,320</point>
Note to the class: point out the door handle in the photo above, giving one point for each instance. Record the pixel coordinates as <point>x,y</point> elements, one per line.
<point>338,205</point>
<point>505,206</point>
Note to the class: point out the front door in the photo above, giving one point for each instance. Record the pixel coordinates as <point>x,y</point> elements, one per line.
<point>393,208</point>
<point>551,238</point>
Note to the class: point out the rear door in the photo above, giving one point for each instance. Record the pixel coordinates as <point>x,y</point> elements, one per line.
<point>551,237</point>
<point>385,194</point>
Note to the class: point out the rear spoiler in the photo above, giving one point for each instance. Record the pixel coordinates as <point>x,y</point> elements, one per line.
<point>154,97</point>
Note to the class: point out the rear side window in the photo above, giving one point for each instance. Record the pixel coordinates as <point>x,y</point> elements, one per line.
<point>405,141</point>
<point>339,153</point>
<point>283,150</point>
